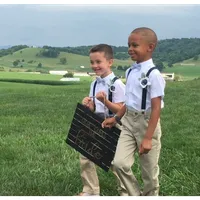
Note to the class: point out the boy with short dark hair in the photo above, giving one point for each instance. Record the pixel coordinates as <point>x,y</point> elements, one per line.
<point>141,129</point>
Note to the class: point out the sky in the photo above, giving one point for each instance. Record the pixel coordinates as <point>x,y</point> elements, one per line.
<point>77,25</point>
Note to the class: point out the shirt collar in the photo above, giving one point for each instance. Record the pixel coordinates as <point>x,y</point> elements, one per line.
<point>144,65</point>
<point>106,79</point>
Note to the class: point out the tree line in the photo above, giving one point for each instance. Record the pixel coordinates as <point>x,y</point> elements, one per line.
<point>11,50</point>
<point>169,50</point>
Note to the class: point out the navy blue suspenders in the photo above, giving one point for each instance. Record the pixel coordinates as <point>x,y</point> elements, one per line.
<point>144,90</point>
<point>109,92</point>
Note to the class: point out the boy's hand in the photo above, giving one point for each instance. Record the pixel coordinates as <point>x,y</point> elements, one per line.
<point>109,122</point>
<point>101,96</point>
<point>87,101</point>
<point>145,146</point>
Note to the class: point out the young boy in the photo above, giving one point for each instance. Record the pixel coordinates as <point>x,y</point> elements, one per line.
<point>141,129</point>
<point>101,58</point>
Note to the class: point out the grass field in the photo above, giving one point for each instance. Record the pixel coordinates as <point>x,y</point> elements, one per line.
<point>29,76</point>
<point>35,160</point>
<point>186,71</point>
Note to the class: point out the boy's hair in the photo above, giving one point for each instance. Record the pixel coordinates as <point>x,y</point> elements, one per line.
<point>148,33</point>
<point>107,49</point>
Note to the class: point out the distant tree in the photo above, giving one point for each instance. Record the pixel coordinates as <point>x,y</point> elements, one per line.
<point>63,60</point>
<point>42,71</point>
<point>159,65</point>
<point>196,57</point>
<point>50,53</point>
<point>68,75</point>
<point>20,51</point>
<point>40,65</point>
<point>170,64</point>
<point>121,55</point>
<point>15,63</point>
<point>29,70</point>
<point>119,67</point>
<point>22,60</point>
<point>11,50</point>
<point>126,67</point>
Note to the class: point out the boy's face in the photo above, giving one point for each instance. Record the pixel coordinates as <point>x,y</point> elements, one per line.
<point>139,49</point>
<point>100,64</point>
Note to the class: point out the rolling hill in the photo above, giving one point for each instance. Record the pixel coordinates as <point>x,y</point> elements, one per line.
<point>189,68</point>
<point>29,61</point>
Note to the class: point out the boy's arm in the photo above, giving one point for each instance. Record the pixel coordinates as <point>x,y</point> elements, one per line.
<point>110,122</point>
<point>118,97</point>
<point>146,144</point>
<point>154,117</point>
<point>156,93</point>
<point>87,101</point>
<point>122,111</point>
<point>114,107</point>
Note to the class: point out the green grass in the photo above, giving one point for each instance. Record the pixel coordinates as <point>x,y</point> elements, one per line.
<point>30,76</point>
<point>35,160</point>
<point>192,61</point>
<point>180,142</point>
<point>46,79</point>
<point>34,121</point>
<point>187,72</point>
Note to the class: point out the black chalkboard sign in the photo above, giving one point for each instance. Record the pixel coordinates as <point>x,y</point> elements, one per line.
<point>88,137</point>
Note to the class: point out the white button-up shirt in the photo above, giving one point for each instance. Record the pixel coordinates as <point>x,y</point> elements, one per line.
<point>103,85</point>
<point>133,89</point>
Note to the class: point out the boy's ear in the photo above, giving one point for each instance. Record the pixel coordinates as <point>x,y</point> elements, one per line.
<point>151,47</point>
<point>111,62</point>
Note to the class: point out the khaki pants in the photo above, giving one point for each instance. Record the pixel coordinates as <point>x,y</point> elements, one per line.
<point>90,179</point>
<point>133,130</point>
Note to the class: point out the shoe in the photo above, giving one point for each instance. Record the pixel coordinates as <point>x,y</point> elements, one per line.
<point>87,194</point>
<point>123,194</point>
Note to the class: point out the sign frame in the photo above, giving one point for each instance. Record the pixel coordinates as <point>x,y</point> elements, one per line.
<point>87,136</point>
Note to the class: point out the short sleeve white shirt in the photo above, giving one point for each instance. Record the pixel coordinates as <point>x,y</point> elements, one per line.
<point>133,91</point>
<point>103,85</point>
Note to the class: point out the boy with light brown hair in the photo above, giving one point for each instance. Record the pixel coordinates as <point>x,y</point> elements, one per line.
<point>106,97</point>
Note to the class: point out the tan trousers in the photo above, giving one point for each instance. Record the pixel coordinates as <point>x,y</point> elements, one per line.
<point>133,130</point>
<point>90,179</point>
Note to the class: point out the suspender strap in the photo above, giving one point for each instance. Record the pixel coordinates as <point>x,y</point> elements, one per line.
<point>110,93</point>
<point>144,97</point>
<point>150,70</point>
<point>128,73</point>
<point>94,88</point>
<point>144,91</point>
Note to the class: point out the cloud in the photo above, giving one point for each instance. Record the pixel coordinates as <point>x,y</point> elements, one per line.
<point>67,25</point>
<point>164,9</point>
